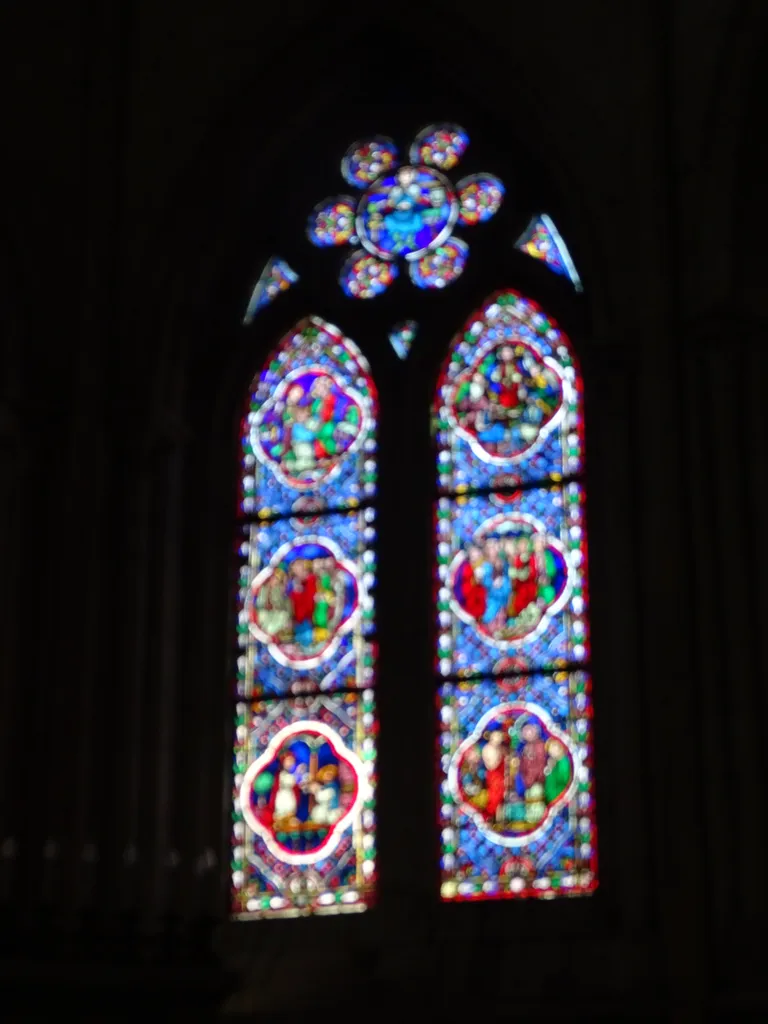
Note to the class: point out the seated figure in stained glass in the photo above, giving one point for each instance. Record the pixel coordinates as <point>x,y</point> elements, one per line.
<point>310,424</point>
<point>505,402</point>
<point>407,212</point>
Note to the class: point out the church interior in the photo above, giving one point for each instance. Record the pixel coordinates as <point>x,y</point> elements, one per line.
<point>157,157</point>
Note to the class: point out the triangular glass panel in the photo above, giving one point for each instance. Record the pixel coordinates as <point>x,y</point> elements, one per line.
<point>276,277</point>
<point>543,241</point>
<point>401,337</point>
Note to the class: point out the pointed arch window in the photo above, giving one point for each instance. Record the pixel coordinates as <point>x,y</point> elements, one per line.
<point>304,793</point>
<point>517,811</point>
<point>514,774</point>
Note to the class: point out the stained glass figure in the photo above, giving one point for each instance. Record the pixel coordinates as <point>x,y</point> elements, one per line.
<point>276,277</point>
<point>401,337</point>
<point>517,802</point>
<point>304,806</point>
<point>442,266</point>
<point>524,610</point>
<point>512,610</point>
<point>365,277</point>
<point>306,604</point>
<point>333,222</point>
<point>509,400</point>
<point>304,788</point>
<point>310,432</point>
<point>405,212</point>
<point>480,196</point>
<point>440,146</point>
<point>364,162</point>
<point>543,241</point>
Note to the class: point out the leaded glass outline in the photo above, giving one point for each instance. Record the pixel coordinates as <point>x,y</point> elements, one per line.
<point>305,750</point>
<point>507,830</point>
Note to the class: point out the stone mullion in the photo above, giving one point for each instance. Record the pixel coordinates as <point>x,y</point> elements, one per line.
<point>91,559</point>
<point>669,618</point>
<point>81,723</point>
<point>172,761</point>
<point>212,678</point>
<point>708,663</point>
<point>128,660</point>
<point>726,440</point>
<point>671,695</point>
<point>613,441</point>
<point>11,720</point>
<point>754,439</point>
<point>733,415</point>
<point>739,560</point>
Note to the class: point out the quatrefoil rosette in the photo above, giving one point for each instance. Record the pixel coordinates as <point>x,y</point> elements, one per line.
<point>407,211</point>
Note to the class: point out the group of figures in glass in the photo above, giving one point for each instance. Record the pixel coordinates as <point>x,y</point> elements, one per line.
<point>508,580</point>
<point>309,426</point>
<point>507,400</point>
<point>303,791</point>
<point>304,600</point>
<point>515,768</point>
<point>304,830</point>
<point>516,773</point>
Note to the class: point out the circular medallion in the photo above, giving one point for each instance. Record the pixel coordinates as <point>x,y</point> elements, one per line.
<point>480,196</point>
<point>364,276</point>
<point>510,580</point>
<point>507,401</point>
<point>513,773</point>
<point>303,602</point>
<point>365,161</point>
<point>407,213</point>
<point>303,792</point>
<point>440,146</point>
<point>307,426</point>
<point>440,266</point>
<point>332,222</point>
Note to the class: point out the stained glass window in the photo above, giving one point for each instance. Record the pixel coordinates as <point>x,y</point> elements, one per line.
<point>543,241</point>
<point>305,748</point>
<point>275,278</point>
<point>408,210</point>
<point>512,655</point>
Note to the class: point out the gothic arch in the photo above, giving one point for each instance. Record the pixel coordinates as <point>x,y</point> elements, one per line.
<point>205,359</point>
<point>493,271</point>
<point>223,242</point>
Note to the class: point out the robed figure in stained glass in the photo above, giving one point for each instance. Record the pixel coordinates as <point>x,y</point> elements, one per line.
<point>304,826</point>
<point>516,802</point>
